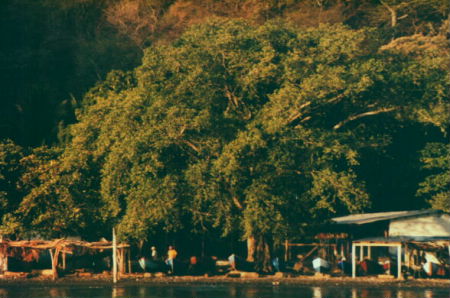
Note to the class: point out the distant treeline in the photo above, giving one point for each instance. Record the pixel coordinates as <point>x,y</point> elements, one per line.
<point>250,119</point>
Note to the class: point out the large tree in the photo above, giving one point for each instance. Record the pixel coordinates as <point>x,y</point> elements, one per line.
<point>256,130</point>
<point>238,127</point>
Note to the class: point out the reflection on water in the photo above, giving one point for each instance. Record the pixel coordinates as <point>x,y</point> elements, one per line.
<point>218,291</point>
<point>317,292</point>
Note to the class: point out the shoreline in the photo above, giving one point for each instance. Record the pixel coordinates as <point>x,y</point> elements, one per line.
<point>140,280</point>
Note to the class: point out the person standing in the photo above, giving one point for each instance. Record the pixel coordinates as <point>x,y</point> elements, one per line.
<point>154,254</point>
<point>171,255</point>
<point>232,261</point>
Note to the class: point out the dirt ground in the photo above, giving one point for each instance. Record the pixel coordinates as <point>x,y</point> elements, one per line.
<point>140,279</point>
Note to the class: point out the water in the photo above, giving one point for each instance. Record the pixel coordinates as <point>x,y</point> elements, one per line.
<point>218,291</point>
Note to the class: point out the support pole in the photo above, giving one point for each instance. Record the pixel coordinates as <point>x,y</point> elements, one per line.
<point>4,261</point>
<point>54,256</point>
<point>119,261</point>
<point>122,261</point>
<point>369,252</point>
<point>449,244</point>
<point>353,260</point>
<point>399,261</point>
<point>286,250</point>
<point>50,250</point>
<point>129,260</point>
<point>407,256</point>
<point>361,253</point>
<point>114,256</point>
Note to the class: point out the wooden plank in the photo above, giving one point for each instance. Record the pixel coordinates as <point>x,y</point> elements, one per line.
<point>377,244</point>
<point>312,244</point>
<point>309,253</point>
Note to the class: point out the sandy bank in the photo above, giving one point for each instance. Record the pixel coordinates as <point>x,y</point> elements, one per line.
<point>139,279</point>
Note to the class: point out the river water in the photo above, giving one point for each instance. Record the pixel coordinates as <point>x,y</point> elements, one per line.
<point>218,291</point>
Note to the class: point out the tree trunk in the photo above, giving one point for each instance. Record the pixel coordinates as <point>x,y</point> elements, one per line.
<point>259,253</point>
<point>251,247</point>
<point>140,247</point>
<point>263,255</point>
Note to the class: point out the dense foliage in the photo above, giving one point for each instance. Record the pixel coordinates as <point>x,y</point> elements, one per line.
<point>243,124</point>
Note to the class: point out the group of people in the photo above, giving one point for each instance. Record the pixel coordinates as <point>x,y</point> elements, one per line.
<point>154,263</point>
<point>208,265</point>
<point>171,264</point>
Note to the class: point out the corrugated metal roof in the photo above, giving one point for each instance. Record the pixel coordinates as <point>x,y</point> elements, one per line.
<point>364,218</point>
<point>402,239</point>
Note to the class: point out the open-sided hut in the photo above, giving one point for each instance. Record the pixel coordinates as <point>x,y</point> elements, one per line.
<point>29,250</point>
<point>421,238</point>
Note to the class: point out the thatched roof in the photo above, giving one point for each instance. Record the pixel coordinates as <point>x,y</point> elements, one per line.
<point>62,244</point>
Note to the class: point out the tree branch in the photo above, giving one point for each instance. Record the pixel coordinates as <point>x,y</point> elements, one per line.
<point>297,113</point>
<point>191,145</point>
<point>237,203</point>
<point>393,13</point>
<point>231,97</point>
<point>358,116</point>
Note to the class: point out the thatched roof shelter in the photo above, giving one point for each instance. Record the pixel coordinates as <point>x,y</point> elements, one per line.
<point>28,250</point>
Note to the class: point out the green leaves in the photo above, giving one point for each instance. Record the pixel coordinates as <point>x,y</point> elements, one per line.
<point>192,139</point>
<point>10,171</point>
<point>233,126</point>
<point>236,129</point>
<point>436,160</point>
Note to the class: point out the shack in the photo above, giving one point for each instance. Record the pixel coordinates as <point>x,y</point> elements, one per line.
<point>417,241</point>
<point>58,249</point>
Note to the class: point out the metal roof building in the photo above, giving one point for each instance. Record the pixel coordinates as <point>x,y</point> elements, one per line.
<point>402,229</point>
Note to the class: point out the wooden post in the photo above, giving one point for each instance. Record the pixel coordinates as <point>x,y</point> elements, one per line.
<point>353,260</point>
<point>407,256</point>
<point>64,260</point>
<point>129,261</point>
<point>4,260</point>
<point>286,250</point>
<point>119,261</point>
<point>449,244</point>
<point>361,253</point>
<point>114,256</point>
<point>51,257</point>
<point>54,256</point>
<point>399,261</point>
<point>122,260</point>
<point>5,263</point>
<point>369,252</point>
